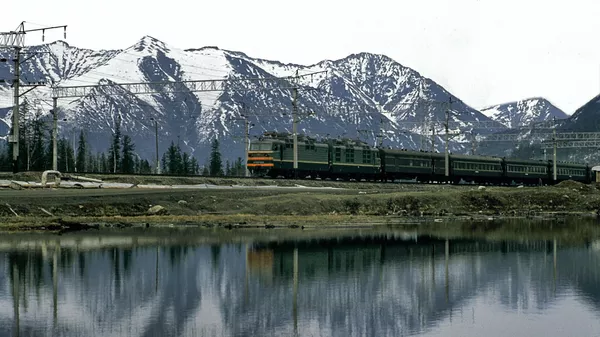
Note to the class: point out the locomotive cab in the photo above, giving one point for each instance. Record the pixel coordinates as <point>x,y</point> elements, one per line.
<point>263,157</point>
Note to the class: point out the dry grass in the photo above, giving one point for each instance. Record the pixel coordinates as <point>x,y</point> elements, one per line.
<point>292,207</point>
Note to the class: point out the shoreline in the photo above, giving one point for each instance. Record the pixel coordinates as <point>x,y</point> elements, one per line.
<point>240,221</point>
<point>174,229</point>
<point>247,207</point>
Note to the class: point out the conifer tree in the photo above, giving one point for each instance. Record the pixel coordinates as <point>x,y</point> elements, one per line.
<point>174,160</point>
<point>240,170</point>
<point>104,163</point>
<point>25,135</point>
<point>114,152</point>
<point>163,162</point>
<point>216,165</point>
<point>195,166</point>
<point>91,162</point>
<point>228,168</point>
<point>136,164</point>
<point>127,164</point>
<point>5,159</point>
<point>61,157</point>
<point>185,164</point>
<point>82,153</point>
<point>38,149</point>
<point>145,167</point>
<point>70,156</point>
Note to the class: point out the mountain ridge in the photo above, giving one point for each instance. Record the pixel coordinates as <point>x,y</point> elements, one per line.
<point>524,112</point>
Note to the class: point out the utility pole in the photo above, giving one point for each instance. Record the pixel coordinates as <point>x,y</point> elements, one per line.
<point>554,141</point>
<point>156,141</point>
<point>447,154</point>
<point>54,134</point>
<point>15,118</point>
<point>432,138</point>
<point>448,135</point>
<point>380,135</point>
<point>16,40</point>
<point>295,123</point>
<point>117,143</point>
<point>74,152</point>
<point>246,145</point>
<point>244,116</point>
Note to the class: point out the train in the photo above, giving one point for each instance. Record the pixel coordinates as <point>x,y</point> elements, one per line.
<point>272,155</point>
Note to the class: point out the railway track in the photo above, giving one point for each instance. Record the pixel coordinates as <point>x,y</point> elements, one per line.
<point>110,175</point>
<point>8,175</point>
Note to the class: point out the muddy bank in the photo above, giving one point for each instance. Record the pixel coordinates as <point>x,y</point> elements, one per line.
<point>31,209</point>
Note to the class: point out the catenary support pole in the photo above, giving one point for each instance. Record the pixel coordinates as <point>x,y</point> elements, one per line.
<point>554,156</point>
<point>156,141</point>
<point>16,39</point>
<point>54,134</point>
<point>295,124</point>
<point>246,145</point>
<point>432,138</point>
<point>447,154</point>
<point>16,113</point>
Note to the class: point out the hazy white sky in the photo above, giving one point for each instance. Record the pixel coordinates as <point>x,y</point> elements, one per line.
<point>483,51</point>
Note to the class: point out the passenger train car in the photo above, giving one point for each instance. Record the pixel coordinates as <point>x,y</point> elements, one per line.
<point>272,155</point>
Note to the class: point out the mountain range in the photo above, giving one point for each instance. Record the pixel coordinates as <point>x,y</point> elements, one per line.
<point>359,96</point>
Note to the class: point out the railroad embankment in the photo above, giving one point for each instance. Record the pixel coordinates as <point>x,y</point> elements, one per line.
<point>332,204</point>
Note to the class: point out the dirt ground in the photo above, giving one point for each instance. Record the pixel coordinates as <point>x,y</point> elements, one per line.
<point>361,204</point>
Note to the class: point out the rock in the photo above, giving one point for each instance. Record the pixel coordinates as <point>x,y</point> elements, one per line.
<point>16,185</point>
<point>157,210</point>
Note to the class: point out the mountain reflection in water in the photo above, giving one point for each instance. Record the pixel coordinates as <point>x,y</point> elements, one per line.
<point>364,285</point>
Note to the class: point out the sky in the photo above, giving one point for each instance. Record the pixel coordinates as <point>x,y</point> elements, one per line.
<point>483,51</point>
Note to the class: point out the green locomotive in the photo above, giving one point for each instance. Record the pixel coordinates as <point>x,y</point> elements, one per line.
<point>273,156</point>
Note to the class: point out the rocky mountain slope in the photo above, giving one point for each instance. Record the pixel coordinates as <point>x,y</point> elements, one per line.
<point>585,119</point>
<point>359,96</point>
<point>524,112</point>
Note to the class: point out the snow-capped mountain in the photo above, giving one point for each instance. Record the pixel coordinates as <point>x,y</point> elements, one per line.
<point>584,119</point>
<point>524,112</point>
<point>359,96</point>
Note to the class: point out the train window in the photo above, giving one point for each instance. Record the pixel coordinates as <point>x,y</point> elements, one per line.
<point>350,155</point>
<point>260,147</point>
<point>366,157</point>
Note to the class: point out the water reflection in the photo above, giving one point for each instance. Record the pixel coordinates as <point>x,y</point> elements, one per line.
<point>361,285</point>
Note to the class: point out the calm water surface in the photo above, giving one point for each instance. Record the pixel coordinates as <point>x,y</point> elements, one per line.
<point>369,284</point>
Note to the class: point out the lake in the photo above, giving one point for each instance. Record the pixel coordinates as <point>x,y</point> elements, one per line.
<point>360,282</point>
